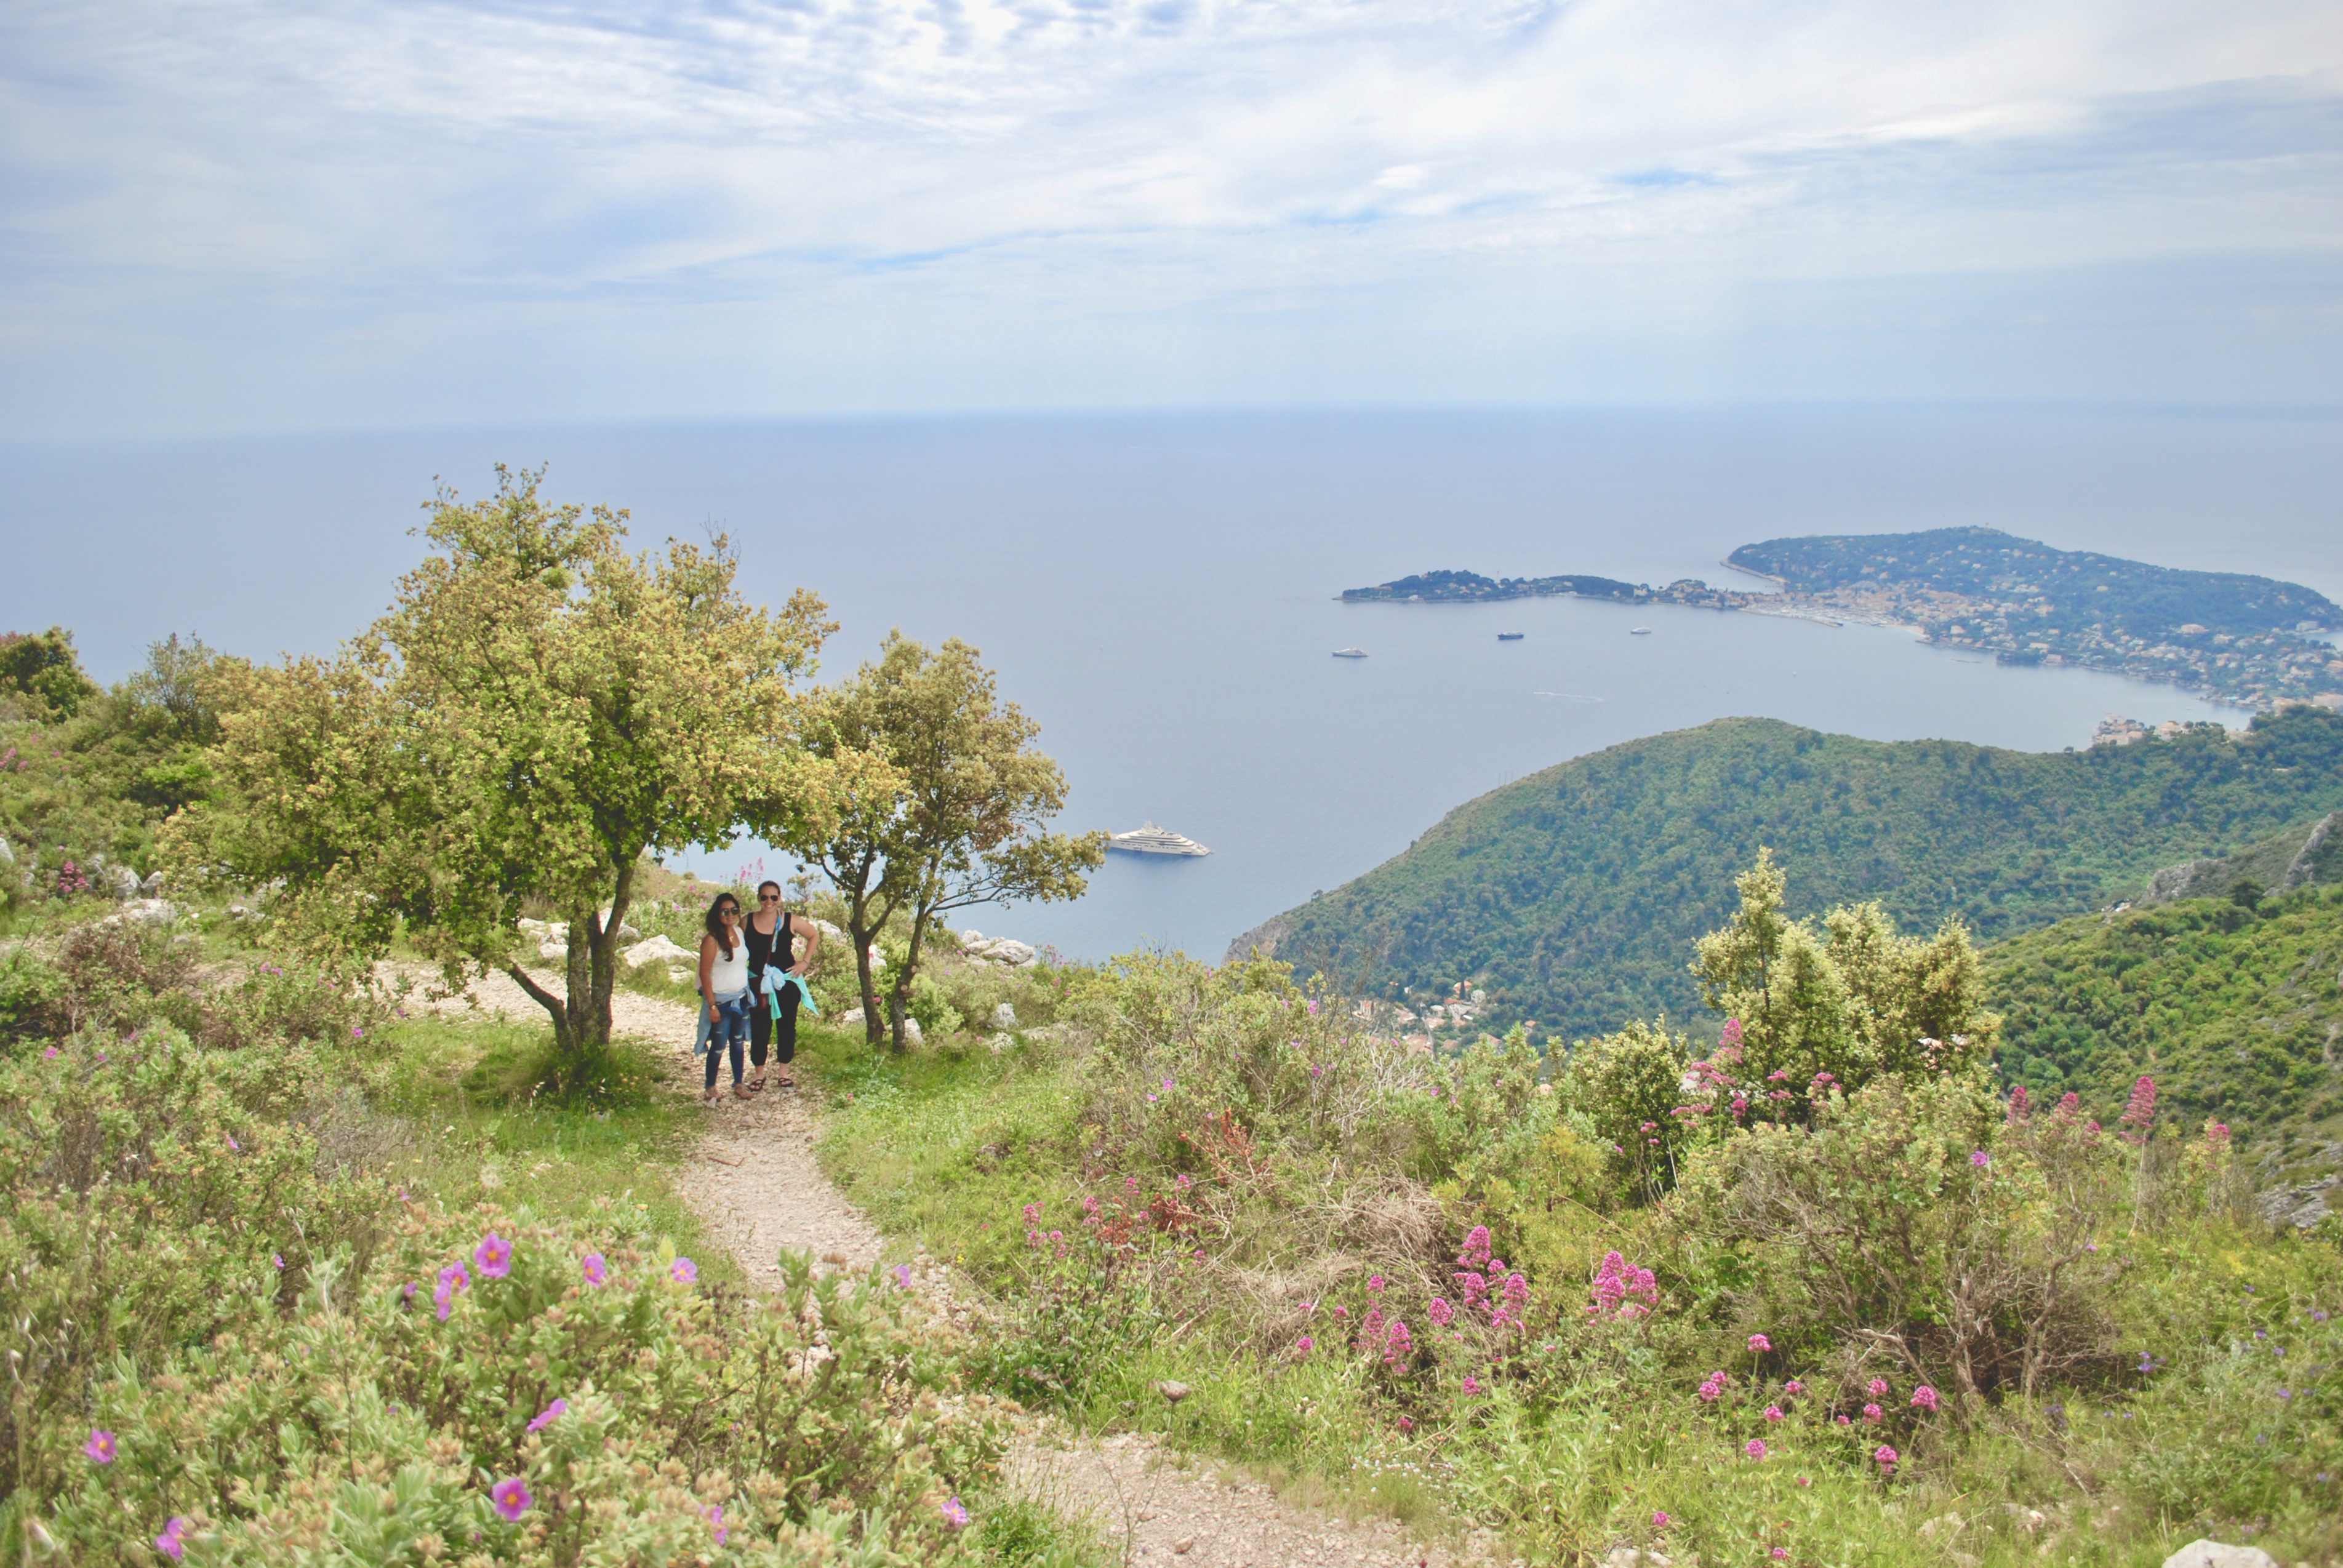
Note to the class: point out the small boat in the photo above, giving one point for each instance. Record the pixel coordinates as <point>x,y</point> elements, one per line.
<point>1641,631</point>
<point>1511,636</point>
<point>1151,839</point>
<point>1350,653</point>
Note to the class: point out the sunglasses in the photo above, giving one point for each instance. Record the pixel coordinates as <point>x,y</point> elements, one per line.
<point>728,908</point>
<point>769,898</point>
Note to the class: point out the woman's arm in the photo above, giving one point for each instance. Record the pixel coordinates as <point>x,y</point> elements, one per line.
<point>813,940</point>
<point>707,975</point>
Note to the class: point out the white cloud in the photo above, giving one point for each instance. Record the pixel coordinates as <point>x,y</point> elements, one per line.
<point>303,205</point>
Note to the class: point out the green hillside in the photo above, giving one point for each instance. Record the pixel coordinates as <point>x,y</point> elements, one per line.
<point>2233,1010</point>
<point>1573,896</point>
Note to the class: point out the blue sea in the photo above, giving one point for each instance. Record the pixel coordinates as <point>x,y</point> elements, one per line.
<point>1159,590</point>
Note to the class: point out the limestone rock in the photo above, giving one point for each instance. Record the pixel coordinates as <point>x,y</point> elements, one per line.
<point>996,950</point>
<point>152,886</point>
<point>1172,1391</point>
<point>911,1035</point>
<point>554,951</point>
<point>2214,1554</point>
<point>122,882</point>
<point>144,912</point>
<point>1632,1557</point>
<point>851,1015</point>
<point>658,950</point>
<point>1004,1016</point>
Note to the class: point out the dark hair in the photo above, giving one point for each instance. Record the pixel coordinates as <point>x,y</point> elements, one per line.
<point>715,921</point>
<point>769,882</point>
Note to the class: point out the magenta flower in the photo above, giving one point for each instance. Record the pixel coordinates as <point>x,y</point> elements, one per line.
<point>1732,1033</point>
<point>1516,1289</point>
<point>51,1055</point>
<point>1407,1424</point>
<point>511,1498</point>
<point>1476,1248</point>
<point>1879,1388</point>
<point>494,1254</point>
<point>549,1414</point>
<point>173,1541</point>
<point>452,1279</point>
<point>1472,1384</point>
<point>1779,1552</point>
<point>1759,1344</point>
<point>1774,1412</point>
<point>955,1513</point>
<point>1925,1397</point>
<point>1754,1448</point>
<point>356,1032</point>
<point>1980,1158</point>
<point>1441,1312</point>
<point>1709,1391</point>
<point>1659,1520</point>
<point>1794,1386</point>
<point>715,1518</point>
<point>1886,1456</point>
<point>1873,1414</point>
<point>100,1448</point>
<point>2140,1112</point>
<point>1305,1345</point>
<point>683,1271</point>
<point>902,1276</point>
<point>1846,1421</point>
<point>1374,1284</point>
<point>598,1272</point>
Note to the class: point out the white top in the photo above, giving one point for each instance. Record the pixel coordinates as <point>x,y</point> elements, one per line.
<point>729,975</point>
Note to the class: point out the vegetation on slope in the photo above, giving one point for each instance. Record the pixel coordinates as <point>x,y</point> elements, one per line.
<point>1571,895</point>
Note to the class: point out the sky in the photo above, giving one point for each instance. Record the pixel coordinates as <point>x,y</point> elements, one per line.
<point>241,216</point>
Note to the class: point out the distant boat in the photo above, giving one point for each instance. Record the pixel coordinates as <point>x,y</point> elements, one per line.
<point>1511,636</point>
<point>1641,631</point>
<point>1350,653</point>
<point>1152,840</point>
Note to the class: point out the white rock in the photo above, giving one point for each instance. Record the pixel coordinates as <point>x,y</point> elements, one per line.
<point>1004,1016</point>
<point>7,855</point>
<point>1629,1557</point>
<point>911,1035</point>
<point>143,912</point>
<point>851,1015</point>
<point>996,950</point>
<point>2213,1554</point>
<point>554,950</point>
<point>152,886</point>
<point>534,927</point>
<point>123,881</point>
<point>827,930</point>
<point>659,948</point>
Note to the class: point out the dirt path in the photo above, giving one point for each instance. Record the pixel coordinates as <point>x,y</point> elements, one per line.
<point>753,1182</point>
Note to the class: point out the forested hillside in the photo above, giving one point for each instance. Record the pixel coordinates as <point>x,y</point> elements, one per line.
<point>1571,895</point>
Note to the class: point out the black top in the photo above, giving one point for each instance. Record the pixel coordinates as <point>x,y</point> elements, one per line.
<point>777,949</point>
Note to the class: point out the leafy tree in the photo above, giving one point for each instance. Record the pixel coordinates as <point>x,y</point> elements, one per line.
<point>1627,1086</point>
<point>945,808</point>
<point>43,668</point>
<point>538,711</point>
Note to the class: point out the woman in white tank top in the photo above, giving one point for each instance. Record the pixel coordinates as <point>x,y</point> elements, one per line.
<point>724,990</point>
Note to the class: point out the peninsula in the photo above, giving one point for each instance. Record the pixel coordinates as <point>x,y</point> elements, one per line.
<point>2250,640</point>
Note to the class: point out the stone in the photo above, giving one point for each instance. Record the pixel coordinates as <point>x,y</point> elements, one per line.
<point>851,1015</point>
<point>551,951</point>
<point>996,950</point>
<point>143,912</point>
<point>911,1035</point>
<point>1632,1557</point>
<point>122,883</point>
<point>7,855</point>
<point>658,949</point>
<point>1181,1547</point>
<point>535,927</point>
<point>1004,1016</point>
<point>152,886</point>
<point>1172,1391</point>
<point>2214,1554</point>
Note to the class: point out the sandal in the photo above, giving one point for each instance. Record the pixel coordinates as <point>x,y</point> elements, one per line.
<point>783,1080</point>
<point>740,1092</point>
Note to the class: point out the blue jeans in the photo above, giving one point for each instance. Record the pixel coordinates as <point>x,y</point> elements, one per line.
<point>731,1029</point>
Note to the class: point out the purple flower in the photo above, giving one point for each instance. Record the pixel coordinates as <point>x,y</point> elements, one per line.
<point>902,1276</point>
<point>1659,1520</point>
<point>1774,1412</point>
<point>683,1271</point>
<point>494,1254</point>
<point>1167,1086</point>
<point>1754,1448</point>
<point>1886,1456</point>
<point>278,1258</point>
<point>1794,1386</point>
<point>1879,1388</point>
<point>598,1272</point>
<point>356,1032</point>
<point>955,1513</point>
<point>715,1518</point>
<point>549,1414</point>
<point>100,1448</point>
<point>1925,1397</point>
<point>1759,1344</point>
<point>172,1542</point>
<point>511,1498</point>
<point>51,1055</point>
<point>1873,1414</point>
<point>1980,1158</point>
<point>452,1279</point>
<point>1305,1345</point>
<point>1472,1384</point>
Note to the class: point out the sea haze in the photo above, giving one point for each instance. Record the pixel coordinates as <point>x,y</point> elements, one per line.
<point>1158,591</point>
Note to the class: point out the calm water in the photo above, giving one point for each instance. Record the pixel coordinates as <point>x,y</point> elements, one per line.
<point>1159,590</point>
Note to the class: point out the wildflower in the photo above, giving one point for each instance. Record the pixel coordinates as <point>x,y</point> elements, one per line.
<point>2020,1105</point>
<point>549,1415</point>
<point>1759,1344</point>
<point>100,1448</point>
<point>1472,1384</point>
<point>715,1518</point>
<point>1659,1520</point>
<point>683,1271</point>
<point>902,1276</point>
<point>1476,1248</point>
<point>1167,1086</point>
<point>955,1513</point>
<point>358,1031</point>
<point>1879,1388</point>
<point>1516,1289</point>
<point>1794,1386</point>
<point>1398,1345</point>
<point>1341,1311</point>
<point>1774,1412</point>
<point>511,1497</point>
<point>278,1258</point>
<point>51,1054</point>
<point>1441,1312</point>
<point>1846,1421</point>
<point>494,1254</point>
<point>1731,1034</point>
<point>1407,1424</point>
<point>1873,1414</point>
<point>2139,1112</point>
<point>1709,1391</point>
<point>1806,1481</point>
<point>1754,1448</point>
<point>1374,1284</point>
<point>173,1541</point>
<point>455,1277</point>
<point>1980,1158</point>
<point>1886,1456</point>
<point>1924,1398</point>
<point>1305,1345</point>
<point>598,1272</point>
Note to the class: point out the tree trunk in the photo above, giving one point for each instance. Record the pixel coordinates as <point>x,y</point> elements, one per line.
<point>903,979</point>
<point>857,929</point>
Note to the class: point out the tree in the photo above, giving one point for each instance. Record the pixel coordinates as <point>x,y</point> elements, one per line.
<point>537,713</point>
<point>941,802</point>
<point>43,668</point>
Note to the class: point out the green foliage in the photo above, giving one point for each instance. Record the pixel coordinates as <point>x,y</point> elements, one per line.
<point>1569,895</point>
<point>41,671</point>
<point>2233,1011</point>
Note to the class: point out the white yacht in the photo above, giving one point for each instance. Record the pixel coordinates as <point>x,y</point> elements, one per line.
<point>1641,631</point>
<point>1350,653</point>
<point>1152,840</point>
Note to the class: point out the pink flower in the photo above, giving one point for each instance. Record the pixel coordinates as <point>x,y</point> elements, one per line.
<point>1341,1311</point>
<point>173,1541</point>
<point>1879,1388</point>
<point>511,1498</point>
<point>494,1254</point>
<point>1374,1284</point>
<point>1305,1345</point>
<point>1732,1032</point>
<point>1806,1481</point>
<point>716,1519</point>
<point>1925,1397</point>
<point>1398,1345</point>
<point>1476,1248</point>
<point>1980,1158</point>
<point>1441,1312</point>
<point>1472,1384</point>
<point>598,1272</point>
<point>1794,1386</point>
<point>2140,1112</point>
<point>1886,1456</point>
<point>1759,1344</point>
<point>100,1448</point>
<point>1518,1290</point>
<point>1779,1552</point>
<point>51,1055</point>
<point>683,1271</point>
<point>1659,1520</point>
<point>1845,1420</point>
<point>955,1513</point>
<point>452,1279</point>
<point>1709,1391</point>
<point>1754,1448</point>
<point>1873,1414</point>
<point>1774,1412</point>
<point>1407,1424</point>
<point>549,1414</point>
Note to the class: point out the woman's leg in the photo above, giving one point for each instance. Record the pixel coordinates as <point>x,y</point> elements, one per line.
<point>785,1031</point>
<point>715,1047</point>
<point>760,1028</point>
<point>736,1030</point>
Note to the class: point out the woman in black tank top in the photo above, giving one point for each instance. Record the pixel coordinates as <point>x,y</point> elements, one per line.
<point>772,934</point>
